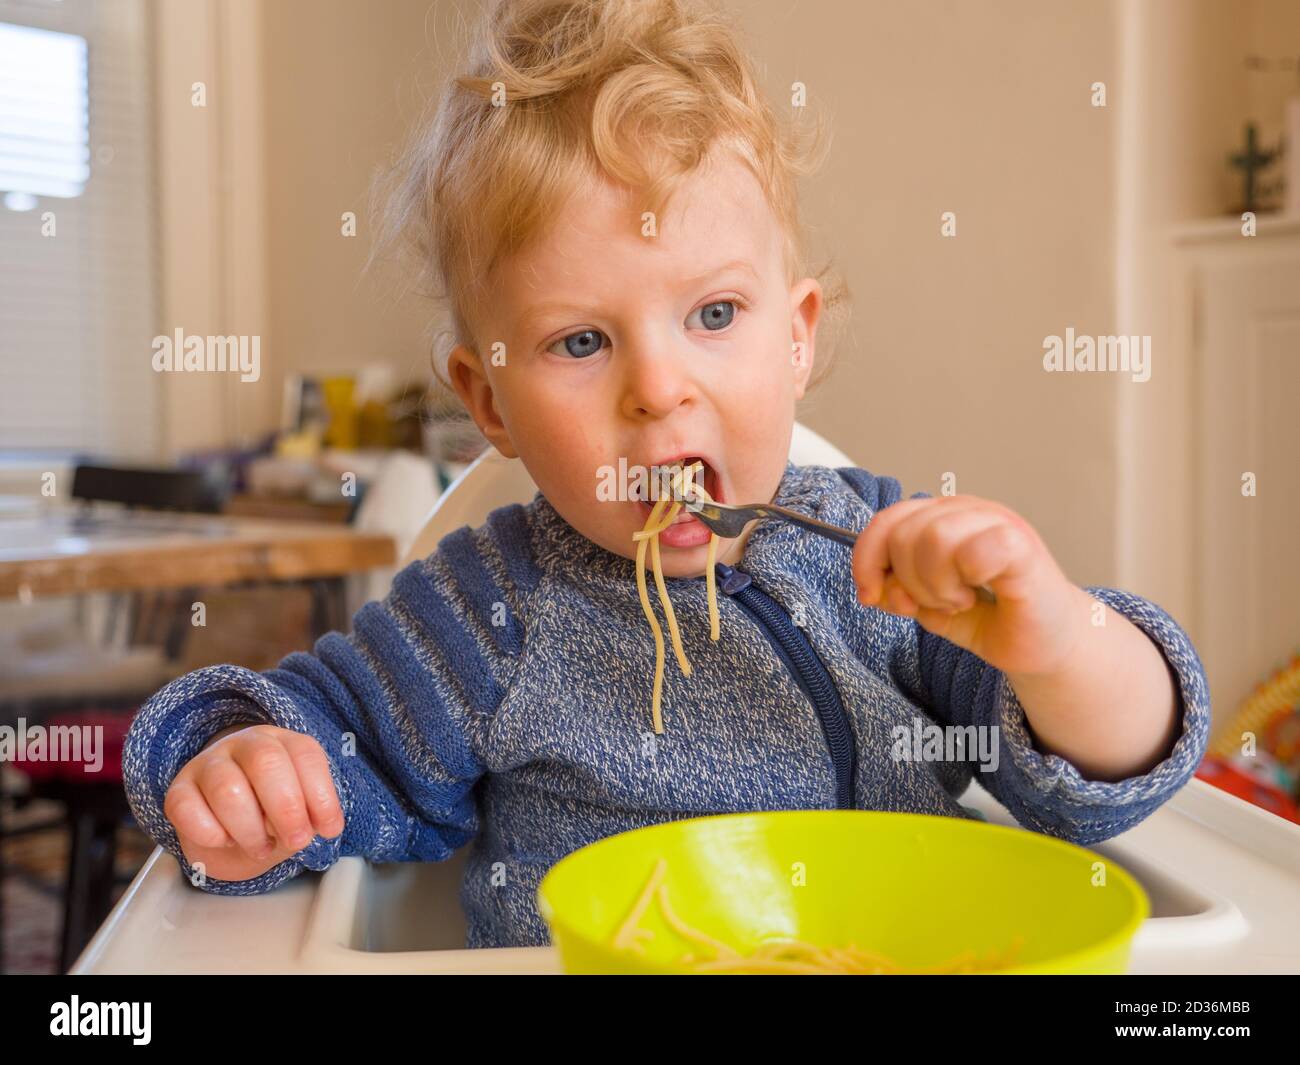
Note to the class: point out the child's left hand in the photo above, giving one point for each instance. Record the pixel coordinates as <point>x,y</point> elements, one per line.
<point>927,556</point>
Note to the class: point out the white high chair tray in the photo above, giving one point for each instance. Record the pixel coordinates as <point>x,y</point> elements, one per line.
<point>1223,877</point>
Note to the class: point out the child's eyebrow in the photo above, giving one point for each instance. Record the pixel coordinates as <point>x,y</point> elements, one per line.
<point>734,264</point>
<point>541,310</point>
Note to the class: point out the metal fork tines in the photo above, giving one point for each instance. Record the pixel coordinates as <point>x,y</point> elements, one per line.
<point>728,520</point>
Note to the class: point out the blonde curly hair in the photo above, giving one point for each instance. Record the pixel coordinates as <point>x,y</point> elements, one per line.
<point>558,93</point>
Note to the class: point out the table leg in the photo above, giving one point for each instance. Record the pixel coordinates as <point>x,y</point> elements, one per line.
<point>329,606</point>
<point>91,854</point>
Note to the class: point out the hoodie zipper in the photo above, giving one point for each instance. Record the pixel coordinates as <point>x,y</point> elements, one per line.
<point>793,648</point>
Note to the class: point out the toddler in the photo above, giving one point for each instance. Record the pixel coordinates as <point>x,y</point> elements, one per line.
<point>610,209</point>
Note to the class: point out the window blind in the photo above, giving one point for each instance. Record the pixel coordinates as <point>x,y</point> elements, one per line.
<point>78,260</point>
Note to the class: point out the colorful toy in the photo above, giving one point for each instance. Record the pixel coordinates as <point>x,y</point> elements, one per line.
<point>1269,776</point>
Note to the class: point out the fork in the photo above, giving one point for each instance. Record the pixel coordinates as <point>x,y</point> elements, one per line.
<point>728,520</point>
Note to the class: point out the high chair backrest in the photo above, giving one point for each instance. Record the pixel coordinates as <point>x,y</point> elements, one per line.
<point>492,481</point>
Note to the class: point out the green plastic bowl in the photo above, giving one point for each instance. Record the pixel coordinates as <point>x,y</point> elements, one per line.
<point>919,889</point>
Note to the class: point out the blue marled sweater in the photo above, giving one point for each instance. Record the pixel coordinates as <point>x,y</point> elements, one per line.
<point>501,694</point>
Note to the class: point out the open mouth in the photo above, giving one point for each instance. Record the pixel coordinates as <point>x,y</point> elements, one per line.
<point>707,477</point>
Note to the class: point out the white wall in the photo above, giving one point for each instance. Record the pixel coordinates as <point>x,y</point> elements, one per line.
<point>982,108</point>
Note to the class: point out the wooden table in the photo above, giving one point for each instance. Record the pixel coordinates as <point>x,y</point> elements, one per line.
<point>280,508</point>
<point>71,554</point>
<point>74,552</point>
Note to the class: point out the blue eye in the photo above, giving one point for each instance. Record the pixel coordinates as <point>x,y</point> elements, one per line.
<point>580,345</point>
<point>715,316</point>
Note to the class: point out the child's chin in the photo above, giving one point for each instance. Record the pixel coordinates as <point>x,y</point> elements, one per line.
<point>687,561</point>
<point>675,561</point>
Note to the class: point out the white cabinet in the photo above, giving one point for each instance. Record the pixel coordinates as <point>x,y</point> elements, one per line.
<point>1245,299</point>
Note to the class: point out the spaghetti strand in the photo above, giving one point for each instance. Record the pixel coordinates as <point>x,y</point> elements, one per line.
<point>786,955</point>
<point>681,484</point>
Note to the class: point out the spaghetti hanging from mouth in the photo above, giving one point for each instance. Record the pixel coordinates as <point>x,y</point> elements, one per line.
<point>682,484</point>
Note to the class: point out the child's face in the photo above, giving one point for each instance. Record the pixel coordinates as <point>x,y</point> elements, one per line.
<point>647,348</point>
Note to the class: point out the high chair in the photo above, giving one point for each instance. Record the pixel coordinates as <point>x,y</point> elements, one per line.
<point>1222,875</point>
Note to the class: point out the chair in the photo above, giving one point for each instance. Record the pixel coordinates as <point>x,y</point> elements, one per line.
<point>195,491</point>
<point>396,502</point>
<point>492,481</point>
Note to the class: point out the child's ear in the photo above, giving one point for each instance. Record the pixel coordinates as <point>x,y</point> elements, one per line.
<point>470,380</point>
<point>801,355</point>
<point>806,309</point>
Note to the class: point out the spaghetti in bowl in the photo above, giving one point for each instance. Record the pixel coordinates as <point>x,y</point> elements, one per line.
<point>839,891</point>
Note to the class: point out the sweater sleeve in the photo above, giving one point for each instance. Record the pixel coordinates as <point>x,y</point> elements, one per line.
<point>400,707</point>
<point>1044,791</point>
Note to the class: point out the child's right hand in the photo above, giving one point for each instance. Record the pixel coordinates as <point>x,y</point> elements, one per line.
<point>252,798</point>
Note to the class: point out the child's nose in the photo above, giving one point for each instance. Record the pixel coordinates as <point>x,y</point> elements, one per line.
<point>656,381</point>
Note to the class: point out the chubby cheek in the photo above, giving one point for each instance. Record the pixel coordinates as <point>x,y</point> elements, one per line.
<point>757,419</point>
<point>560,444</point>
